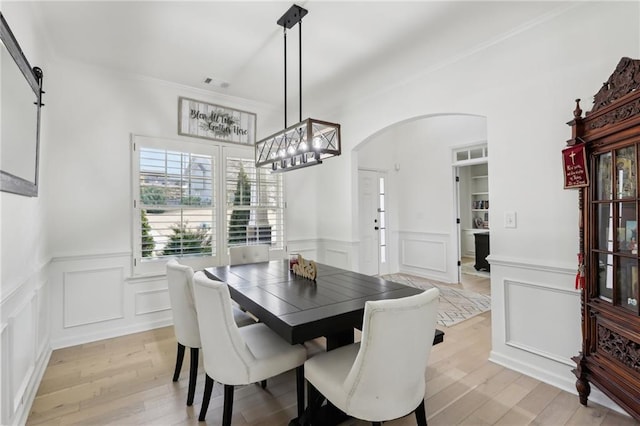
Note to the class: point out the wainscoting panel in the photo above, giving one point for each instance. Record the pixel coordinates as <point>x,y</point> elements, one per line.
<point>4,374</point>
<point>95,297</point>
<point>307,253</point>
<point>552,308</point>
<point>25,327</point>
<point>152,301</point>
<point>307,248</point>
<point>339,258</point>
<point>92,296</point>
<point>330,252</point>
<point>535,315</point>
<point>424,254</point>
<point>22,351</point>
<point>43,318</point>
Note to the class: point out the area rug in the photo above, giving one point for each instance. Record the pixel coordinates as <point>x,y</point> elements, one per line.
<point>456,305</point>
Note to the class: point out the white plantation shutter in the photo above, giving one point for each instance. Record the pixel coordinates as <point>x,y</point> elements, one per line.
<point>254,204</point>
<point>174,203</point>
<point>189,204</point>
<point>177,197</point>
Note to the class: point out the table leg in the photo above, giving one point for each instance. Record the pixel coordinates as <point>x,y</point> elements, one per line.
<point>338,339</point>
<point>318,414</point>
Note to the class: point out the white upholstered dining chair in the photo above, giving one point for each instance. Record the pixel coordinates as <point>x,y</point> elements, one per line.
<point>239,356</point>
<point>383,376</point>
<point>248,254</point>
<point>185,321</point>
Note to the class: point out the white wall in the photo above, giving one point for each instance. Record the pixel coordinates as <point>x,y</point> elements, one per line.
<point>524,84</point>
<point>93,113</point>
<point>24,257</point>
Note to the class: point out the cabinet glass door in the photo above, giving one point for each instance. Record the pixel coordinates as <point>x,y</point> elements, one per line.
<point>615,217</point>
<point>627,228</point>
<point>603,177</point>
<point>604,223</point>
<point>605,276</point>
<point>627,284</point>
<point>626,172</point>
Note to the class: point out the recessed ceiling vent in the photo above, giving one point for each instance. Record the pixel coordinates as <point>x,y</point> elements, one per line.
<point>215,82</point>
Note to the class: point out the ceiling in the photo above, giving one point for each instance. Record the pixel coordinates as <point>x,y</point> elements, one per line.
<point>350,49</point>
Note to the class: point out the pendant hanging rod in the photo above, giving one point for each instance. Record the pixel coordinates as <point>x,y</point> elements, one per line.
<point>300,67</point>
<point>292,17</point>
<point>285,77</point>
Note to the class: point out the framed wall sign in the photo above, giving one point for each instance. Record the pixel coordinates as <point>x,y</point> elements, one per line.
<point>574,164</point>
<point>204,120</point>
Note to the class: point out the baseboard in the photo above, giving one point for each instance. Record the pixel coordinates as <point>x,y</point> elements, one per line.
<point>108,334</point>
<point>565,383</point>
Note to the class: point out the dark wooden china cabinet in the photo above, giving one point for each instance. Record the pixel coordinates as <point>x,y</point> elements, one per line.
<point>610,207</point>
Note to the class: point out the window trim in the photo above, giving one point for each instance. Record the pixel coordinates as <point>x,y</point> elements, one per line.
<point>153,267</point>
<point>219,153</point>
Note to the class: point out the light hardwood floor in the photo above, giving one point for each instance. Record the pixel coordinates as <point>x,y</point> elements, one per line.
<point>127,381</point>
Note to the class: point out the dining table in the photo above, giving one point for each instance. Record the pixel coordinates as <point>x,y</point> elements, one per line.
<point>300,309</point>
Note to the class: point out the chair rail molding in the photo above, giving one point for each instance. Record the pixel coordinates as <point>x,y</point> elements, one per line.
<point>547,266</point>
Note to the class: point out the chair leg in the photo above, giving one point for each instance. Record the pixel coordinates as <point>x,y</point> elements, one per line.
<point>300,389</point>
<point>313,406</point>
<point>193,375</point>
<point>421,414</point>
<point>376,423</point>
<point>208,388</point>
<point>263,384</point>
<point>179,358</point>
<point>227,411</point>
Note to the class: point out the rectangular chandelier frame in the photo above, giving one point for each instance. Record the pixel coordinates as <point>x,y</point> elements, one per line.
<point>304,144</point>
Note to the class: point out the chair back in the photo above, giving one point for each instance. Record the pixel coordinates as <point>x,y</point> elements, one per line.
<point>185,318</point>
<point>226,357</point>
<point>387,379</point>
<point>248,254</point>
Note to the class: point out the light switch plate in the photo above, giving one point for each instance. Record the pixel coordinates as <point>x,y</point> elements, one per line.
<point>510,220</point>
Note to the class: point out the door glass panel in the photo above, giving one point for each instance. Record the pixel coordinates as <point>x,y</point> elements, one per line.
<point>462,155</point>
<point>476,153</point>
<point>603,177</point>
<point>604,222</point>
<point>627,228</point>
<point>626,172</point>
<point>627,284</point>
<point>605,276</point>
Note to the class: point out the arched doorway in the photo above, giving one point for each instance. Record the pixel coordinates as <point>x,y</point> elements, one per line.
<point>414,157</point>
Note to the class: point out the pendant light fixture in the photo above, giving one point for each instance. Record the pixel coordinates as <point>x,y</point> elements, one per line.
<point>306,143</point>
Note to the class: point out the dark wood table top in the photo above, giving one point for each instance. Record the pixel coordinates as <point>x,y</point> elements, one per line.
<point>299,309</point>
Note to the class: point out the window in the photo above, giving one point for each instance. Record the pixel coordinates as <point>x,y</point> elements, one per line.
<point>383,221</point>
<point>176,212</point>
<point>174,202</point>
<point>470,154</point>
<point>254,204</point>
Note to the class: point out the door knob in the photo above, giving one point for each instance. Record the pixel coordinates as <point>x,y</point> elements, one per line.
<point>376,228</point>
